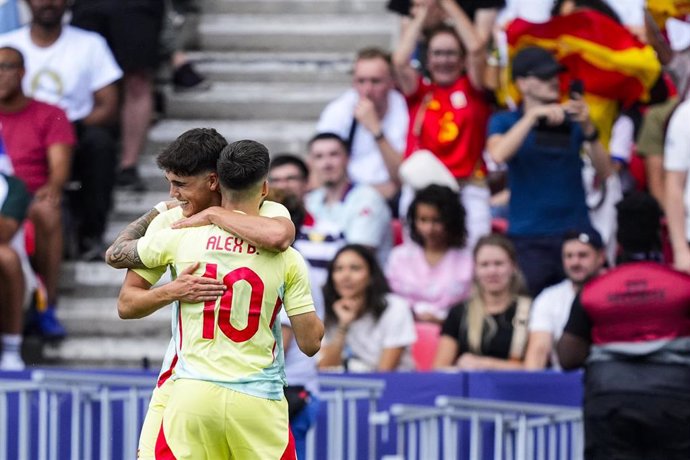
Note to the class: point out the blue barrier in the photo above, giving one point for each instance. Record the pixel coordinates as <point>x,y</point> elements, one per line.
<point>401,388</point>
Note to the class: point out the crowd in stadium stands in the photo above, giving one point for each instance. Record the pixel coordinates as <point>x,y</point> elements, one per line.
<point>471,169</point>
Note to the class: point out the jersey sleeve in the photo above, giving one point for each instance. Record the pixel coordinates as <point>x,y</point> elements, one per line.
<point>273,209</point>
<point>158,249</point>
<point>297,298</point>
<point>160,222</point>
<point>105,68</point>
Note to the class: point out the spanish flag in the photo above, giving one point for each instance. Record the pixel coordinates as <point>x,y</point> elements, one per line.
<point>661,10</point>
<point>616,68</point>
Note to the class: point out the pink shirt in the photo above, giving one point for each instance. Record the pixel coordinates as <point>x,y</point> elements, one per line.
<point>430,289</point>
<point>28,134</point>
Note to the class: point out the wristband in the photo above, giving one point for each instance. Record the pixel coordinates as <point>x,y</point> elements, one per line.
<point>379,136</point>
<point>161,207</point>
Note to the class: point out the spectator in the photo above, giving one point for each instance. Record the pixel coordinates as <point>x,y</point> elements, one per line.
<point>75,70</point>
<point>132,30</point>
<point>179,33</point>
<point>650,145</point>
<point>372,117</point>
<point>343,211</point>
<point>434,270</point>
<point>541,143</point>
<point>367,328</point>
<point>489,330</point>
<point>14,201</point>
<point>630,328</point>
<point>448,114</point>
<point>39,141</point>
<point>676,165</point>
<point>583,259</point>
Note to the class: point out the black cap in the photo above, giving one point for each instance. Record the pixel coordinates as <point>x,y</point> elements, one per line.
<point>535,61</point>
<point>587,236</point>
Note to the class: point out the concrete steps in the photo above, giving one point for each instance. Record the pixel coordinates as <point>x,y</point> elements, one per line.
<point>294,32</point>
<point>273,65</point>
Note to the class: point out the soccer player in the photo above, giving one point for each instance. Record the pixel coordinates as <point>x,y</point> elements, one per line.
<point>227,400</point>
<point>190,165</point>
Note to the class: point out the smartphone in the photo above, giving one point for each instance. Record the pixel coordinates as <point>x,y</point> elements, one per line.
<point>576,88</point>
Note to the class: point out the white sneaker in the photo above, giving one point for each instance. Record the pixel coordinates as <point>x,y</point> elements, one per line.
<point>11,362</point>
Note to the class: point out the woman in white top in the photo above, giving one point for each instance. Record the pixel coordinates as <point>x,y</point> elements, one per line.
<point>367,328</point>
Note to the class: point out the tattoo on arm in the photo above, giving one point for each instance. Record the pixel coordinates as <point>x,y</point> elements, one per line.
<point>123,252</point>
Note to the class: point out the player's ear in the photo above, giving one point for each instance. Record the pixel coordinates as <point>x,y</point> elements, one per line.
<point>213,183</point>
<point>264,188</point>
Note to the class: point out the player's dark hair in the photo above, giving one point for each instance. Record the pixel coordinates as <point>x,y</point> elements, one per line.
<point>452,214</point>
<point>14,50</point>
<point>242,164</point>
<point>290,159</point>
<point>330,137</point>
<point>193,152</point>
<point>375,293</point>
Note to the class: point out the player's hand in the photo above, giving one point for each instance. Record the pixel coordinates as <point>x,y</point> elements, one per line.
<point>365,114</point>
<point>578,111</point>
<point>346,310</point>
<point>469,361</point>
<point>199,219</point>
<point>192,288</point>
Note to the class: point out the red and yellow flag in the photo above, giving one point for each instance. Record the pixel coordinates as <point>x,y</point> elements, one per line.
<point>661,10</point>
<point>614,65</point>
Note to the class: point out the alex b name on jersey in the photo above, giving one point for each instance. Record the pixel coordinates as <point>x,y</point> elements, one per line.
<point>230,244</point>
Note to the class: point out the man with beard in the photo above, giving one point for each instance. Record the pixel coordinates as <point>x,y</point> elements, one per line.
<point>583,258</point>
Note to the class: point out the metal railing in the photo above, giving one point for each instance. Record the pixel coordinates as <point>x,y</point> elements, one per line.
<point>482,429</point>
<point>347,401</point>
<point>82,416</point>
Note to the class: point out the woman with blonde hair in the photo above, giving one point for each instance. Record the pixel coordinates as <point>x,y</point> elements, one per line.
<point>489,330</point>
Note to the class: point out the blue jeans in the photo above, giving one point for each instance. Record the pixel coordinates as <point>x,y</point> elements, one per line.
<point>301,424</point>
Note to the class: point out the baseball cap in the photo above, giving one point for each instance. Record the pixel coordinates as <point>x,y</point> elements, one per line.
<point>535,61</point>
<point>589,236</point>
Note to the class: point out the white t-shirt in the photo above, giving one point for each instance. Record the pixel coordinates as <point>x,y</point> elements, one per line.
<point>550,311</point>
<point>69,71</point>
<point>366,165</point>
<point>367,338</point>
<point>677,152</point>
<point>362,217</point>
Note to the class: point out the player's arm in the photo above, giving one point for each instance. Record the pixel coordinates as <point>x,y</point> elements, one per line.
<point>123,252</point>
<point>307,329</point>
<point>272,233</point>
<point>138,299</point>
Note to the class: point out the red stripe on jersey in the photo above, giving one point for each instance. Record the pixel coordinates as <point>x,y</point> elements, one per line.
<point>163,451</point>
<point>290,453</point>
<point>166,375</point>
<point>209,320</point>
<point>276,309</point>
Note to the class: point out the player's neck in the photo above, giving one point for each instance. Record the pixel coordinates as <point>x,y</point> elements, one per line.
<point>249,207</point>
<point>45,36</point>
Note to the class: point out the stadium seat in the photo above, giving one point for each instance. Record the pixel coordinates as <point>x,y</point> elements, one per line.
<point>424,349</point>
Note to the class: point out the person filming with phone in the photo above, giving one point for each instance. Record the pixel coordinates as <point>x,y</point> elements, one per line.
<point>541,142</point>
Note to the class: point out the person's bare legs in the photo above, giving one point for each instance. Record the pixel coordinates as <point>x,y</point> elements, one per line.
<point>47,220</point>
<point>137,107</point>
<point>11,298</point>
